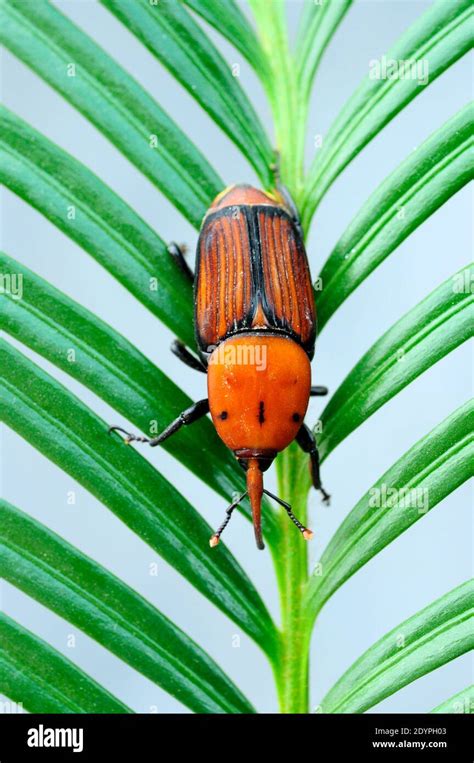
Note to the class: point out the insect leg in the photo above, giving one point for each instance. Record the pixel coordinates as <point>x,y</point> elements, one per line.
<point>182,352</point>
<point>306,441</point>
<point>191,414</point>
<point>288,199</point>
<point>306,532</point>
<point>318,391</point>
<point>284,192</point>
<point>214,540</point>
<point>178,255</point>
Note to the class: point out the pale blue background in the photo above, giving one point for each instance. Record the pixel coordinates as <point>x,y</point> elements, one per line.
<point>429,559</point>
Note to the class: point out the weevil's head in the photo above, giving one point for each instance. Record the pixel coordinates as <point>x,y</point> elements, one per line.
<point>258,388</point>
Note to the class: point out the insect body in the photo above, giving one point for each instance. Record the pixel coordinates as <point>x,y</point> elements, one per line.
<point>255,331</point>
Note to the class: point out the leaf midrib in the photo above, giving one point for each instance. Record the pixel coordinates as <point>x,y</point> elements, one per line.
<point>47,687</point>
<point>317,19</point>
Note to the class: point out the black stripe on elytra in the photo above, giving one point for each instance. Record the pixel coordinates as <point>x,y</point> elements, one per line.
<point>261,412</point>
<point>251,219</point>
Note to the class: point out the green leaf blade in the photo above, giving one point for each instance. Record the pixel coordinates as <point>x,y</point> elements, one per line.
<point>462,702</point>
<point>427,333</point>
<point>69,434</point>
<point>432,469</point>
<point>431,638</point>
<point>227,18</point>
<point>173,37</point>
<point>52,181</point>
<point>438,38</point>
<point>56,574</point>
<point>318,24</point>
<point>43,680</point>
<point>45,40</point>
<point>414,191</point>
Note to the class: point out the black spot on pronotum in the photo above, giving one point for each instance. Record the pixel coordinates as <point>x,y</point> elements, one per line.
<point>223,415</point>
<point>296,417</point>
<point>261,412</point>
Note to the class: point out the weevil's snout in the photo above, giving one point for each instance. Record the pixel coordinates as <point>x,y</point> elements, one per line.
<point>255,463</point>
<point>255,492</point>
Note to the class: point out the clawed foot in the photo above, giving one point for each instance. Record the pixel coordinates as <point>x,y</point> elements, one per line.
<point>326,496</point>
<point>129,437</point>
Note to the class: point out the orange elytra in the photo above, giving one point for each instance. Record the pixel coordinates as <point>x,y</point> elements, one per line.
<point>255,330</point>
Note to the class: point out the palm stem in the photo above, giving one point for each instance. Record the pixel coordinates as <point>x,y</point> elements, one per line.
<point>291,559</point>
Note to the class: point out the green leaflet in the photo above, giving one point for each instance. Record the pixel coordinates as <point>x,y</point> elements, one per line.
<point>438,38</point>
<point>59,576</point>
<point>431,638</point>
<point>417,188</point>
<point>35,674</point>
<point>318,24</point>
<point>112,100</point>
<point>104,225</point>
<point>56,423</point>
<point>434,467</point>
<point>178,42</point>
<point>228,19</point>
<point>282,91</point>
<point>432,329</point>
<point>462,702</point>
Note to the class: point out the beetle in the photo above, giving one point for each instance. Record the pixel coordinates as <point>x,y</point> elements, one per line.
<point>255,328</point>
